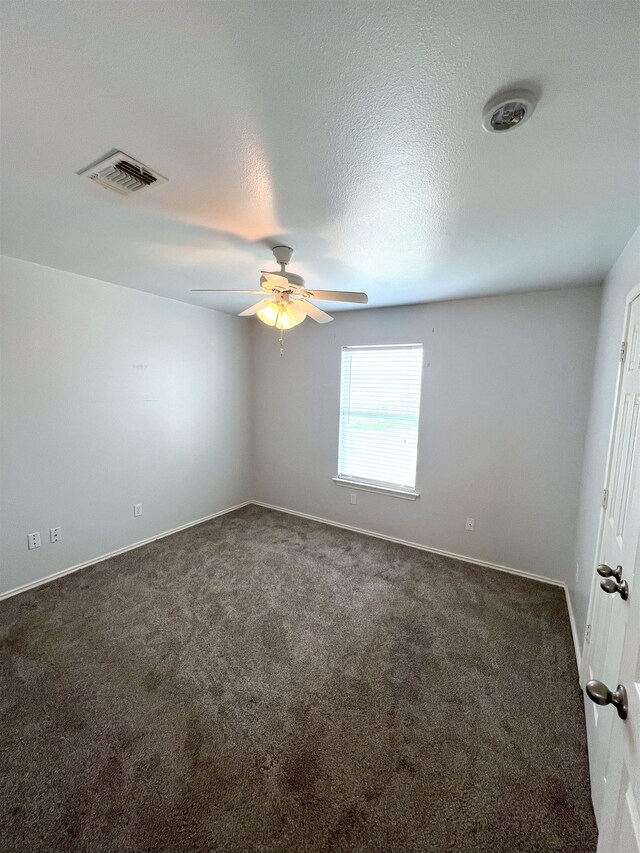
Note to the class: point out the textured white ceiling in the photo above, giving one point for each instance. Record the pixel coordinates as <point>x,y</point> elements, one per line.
<point>350,130</point>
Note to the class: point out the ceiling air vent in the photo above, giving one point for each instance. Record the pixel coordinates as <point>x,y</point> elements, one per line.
<point>122,174</point>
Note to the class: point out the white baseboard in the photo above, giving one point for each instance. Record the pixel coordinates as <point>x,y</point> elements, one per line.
<point>464,558</point>
<point>115,553</point>
<point>574,630</point>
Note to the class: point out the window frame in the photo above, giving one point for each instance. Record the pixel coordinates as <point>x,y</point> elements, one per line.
<point>371,485</point>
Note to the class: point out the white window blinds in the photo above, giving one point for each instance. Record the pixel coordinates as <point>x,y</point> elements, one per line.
<point>379,412</point>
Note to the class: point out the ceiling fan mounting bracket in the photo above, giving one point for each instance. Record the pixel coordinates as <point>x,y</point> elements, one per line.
<point>282,254</point>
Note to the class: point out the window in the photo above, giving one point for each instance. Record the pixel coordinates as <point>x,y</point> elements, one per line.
<point>379,412</point>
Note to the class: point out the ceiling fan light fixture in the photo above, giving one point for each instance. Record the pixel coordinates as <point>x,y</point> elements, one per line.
<point>288,303</point>
<point>281,314</point>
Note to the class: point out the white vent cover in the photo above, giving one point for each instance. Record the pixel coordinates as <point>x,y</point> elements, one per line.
<point>122,174</point>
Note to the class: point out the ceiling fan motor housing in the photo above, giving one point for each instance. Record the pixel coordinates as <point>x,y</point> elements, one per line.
<point>296,280</point>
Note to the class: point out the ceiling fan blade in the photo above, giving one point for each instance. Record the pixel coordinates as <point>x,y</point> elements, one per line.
<point>274,278</point>
<point>255,308</point>
<point>338,296</point>
<point>313,311</point>
<point>216,290</point>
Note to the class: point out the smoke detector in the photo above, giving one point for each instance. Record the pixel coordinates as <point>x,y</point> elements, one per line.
<point>122,174</point>
<point>508,110</point>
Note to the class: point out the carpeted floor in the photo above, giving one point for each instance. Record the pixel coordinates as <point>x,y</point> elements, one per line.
<point>265,684</point>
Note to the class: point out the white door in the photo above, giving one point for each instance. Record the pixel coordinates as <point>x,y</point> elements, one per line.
<point>614,658</point>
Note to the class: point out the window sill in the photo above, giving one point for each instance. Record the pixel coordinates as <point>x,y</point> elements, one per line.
<point>381,490</point>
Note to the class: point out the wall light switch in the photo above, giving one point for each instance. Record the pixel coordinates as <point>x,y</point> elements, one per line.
<point>33,540</point>
<point>471,524</point>
<point>354,498</point>
<point>137,510</point>
<point>55,534</point>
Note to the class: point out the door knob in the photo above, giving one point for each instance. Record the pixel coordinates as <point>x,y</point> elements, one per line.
<point>606,571</point>
<point>601,695</point>
<point>612,586</point>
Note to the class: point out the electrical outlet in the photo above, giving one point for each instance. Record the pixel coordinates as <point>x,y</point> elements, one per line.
<point>33,540</point>
<point>471,524</point>
<point>137,510</point>
<point>354,498</point>
<point>55,534</point>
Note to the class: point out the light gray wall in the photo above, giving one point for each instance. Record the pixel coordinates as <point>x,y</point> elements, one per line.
<point>506,389</point>
<point>110,397</point>
<point>624,275</point>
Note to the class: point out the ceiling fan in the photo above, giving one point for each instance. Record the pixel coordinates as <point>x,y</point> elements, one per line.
<point>286,303</point>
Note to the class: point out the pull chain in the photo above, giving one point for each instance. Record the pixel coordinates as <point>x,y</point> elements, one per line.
<point>281,342</point>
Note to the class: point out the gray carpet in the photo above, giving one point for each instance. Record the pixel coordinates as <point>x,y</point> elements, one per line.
<point>265,684</point>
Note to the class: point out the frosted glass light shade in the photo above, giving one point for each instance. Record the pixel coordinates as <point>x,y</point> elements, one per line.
<point>290,315</point>
<point>283,315</point>
<point>269,314</point>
